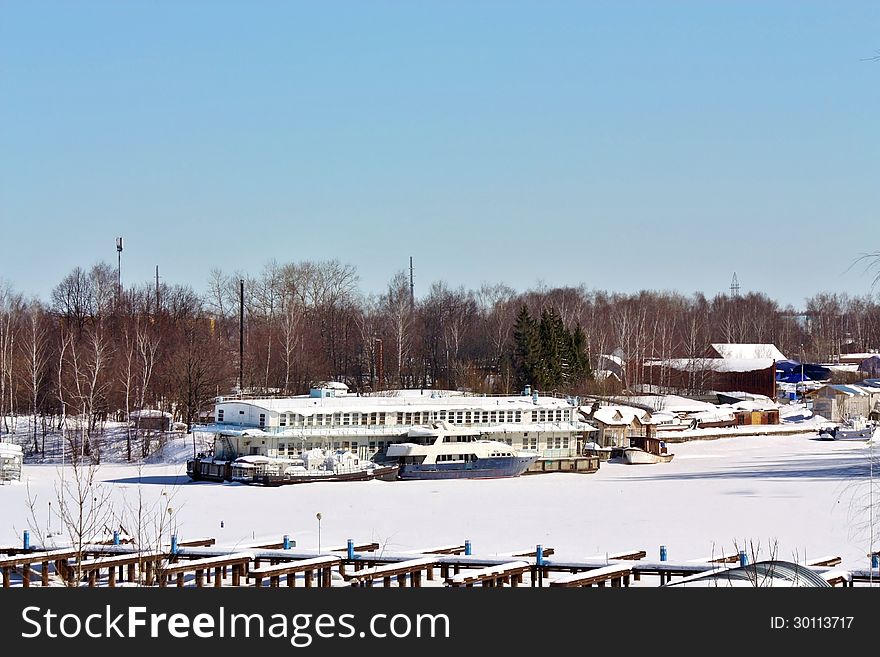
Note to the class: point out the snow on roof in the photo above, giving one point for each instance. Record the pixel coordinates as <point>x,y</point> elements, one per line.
<point>755,405</point>
<point>10,449</point>
<point>671,403</point>
<point>714,364</point>
<point>621,415</point>
<point>305,405</point>
<point>744,351</point>
<point>853,390</point>
<point>148,412</point>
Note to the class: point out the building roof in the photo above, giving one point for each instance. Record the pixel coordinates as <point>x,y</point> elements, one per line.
<point>713,364</point>
<point>305,405</point>
<point>747,351</point>
<point>621,415</point>
<point>852,390</point>
<point>148,412</point>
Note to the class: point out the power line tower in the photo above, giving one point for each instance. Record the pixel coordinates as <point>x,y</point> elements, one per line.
<point>734,286</point>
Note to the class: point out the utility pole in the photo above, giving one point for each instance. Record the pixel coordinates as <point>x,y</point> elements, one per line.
<point>412,288</point>
<point>118,267</point>
<point>241,336</point>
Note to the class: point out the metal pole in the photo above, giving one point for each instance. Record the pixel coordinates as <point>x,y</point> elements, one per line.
<point>318,516</point>
<point>241,337</point>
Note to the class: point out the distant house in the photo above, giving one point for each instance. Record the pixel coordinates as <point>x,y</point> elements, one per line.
<point>11,457</point>
<point>839,403</point>
<point>751,375</point>
<point>150,420</point>
<point>617,424</point>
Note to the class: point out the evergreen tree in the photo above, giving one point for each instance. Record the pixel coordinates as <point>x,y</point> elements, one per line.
<point>526,349</point>
<point>580,363</point>
<point>552,365</point>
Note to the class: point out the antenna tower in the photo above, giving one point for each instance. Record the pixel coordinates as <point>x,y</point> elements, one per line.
<point>734,286</point>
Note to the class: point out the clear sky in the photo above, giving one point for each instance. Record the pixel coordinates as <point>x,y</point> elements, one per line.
<point>624,145</point>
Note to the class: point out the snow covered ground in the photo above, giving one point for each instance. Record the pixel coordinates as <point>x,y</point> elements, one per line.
<point>793,495</point>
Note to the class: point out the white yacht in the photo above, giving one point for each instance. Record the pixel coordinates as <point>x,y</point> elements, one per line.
<point>440,451</point>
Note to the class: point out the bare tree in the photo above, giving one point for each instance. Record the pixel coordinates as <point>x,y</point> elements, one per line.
<point>35,349</point>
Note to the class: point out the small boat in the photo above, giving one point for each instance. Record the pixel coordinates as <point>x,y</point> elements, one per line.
<point>441,452</point>
<point>205,468</point>
<point>311,467</point>
<point>643,450</point>
<point>839,433</point>
<point>857,429</point>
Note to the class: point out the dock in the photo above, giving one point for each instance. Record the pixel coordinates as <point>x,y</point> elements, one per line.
<point>197,562</point>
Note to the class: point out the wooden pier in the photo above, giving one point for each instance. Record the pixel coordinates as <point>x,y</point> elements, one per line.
<point>362,564</point>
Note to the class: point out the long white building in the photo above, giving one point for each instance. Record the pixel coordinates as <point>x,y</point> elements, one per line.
<point>330,417</point>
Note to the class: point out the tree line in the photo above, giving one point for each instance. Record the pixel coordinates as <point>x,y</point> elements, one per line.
<point>93,352</point>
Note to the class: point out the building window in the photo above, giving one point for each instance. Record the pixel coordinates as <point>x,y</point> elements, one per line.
<point>518,416</point>
<point>262,419</point>
<point>220,415</point>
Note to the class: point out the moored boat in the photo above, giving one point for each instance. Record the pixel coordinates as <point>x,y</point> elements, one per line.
<point>644,450</point>
<point>443,452</point>
<point>312,466</point>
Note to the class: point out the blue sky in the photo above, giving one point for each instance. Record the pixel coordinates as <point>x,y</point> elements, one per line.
<point>626,146</point>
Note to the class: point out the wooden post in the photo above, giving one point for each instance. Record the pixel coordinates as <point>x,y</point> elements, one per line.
<point>200,578</point>
<point>26,575</point>
<point>328,572</point>
<point>417,579</point>
<point>163,581</point>
<point>236,574</point>
<point>208,575</point>
<point>258,581</point>
<point>431,573</point>
<point>401,579</point>
<point>92,578</point>
<point>179,580</point>
<point>111,577</point>
<point>131,572</point>
<point>149,568</point>
<point>308,578</point>
<point>274,580</point>
<point>291,580</point>
<point>217,578</point>
<point>444,571</point>
<point>386,581</point>
<point>44,573</point>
